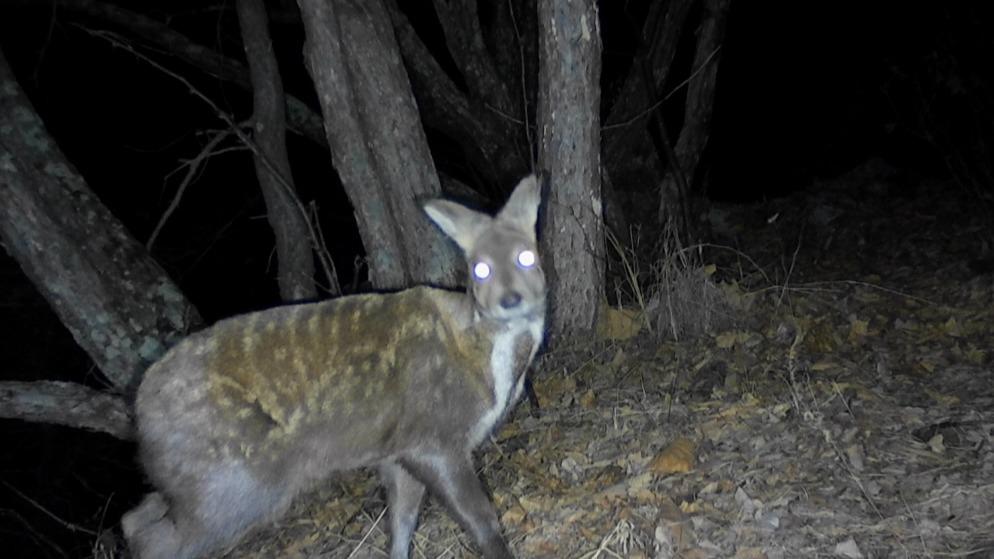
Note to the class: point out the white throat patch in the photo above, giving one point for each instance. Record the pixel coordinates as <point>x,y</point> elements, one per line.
<point>502,361</point>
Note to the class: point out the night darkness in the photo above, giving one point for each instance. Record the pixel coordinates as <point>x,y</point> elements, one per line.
<point>806,91</point>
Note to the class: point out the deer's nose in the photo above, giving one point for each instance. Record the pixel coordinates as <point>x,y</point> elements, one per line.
<point>510,300</point>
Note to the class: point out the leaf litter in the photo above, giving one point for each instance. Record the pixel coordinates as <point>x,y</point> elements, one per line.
<point>848,411</point>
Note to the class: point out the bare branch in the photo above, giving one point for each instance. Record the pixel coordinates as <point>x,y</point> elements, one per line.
<point>650,69</point>
<point>295,261</point>
<point>461,27</point>
<point>64,523</point>
<point>66,403</point>
<point>488,139</point>
<point>117,302</point>
<point>236,129</point>
<point>192,167</point>
<point>699,108</point>
<point>302,119</point>
<point>512,38</point>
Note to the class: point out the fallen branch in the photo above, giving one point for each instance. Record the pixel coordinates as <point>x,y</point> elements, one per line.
<point>66,403</point>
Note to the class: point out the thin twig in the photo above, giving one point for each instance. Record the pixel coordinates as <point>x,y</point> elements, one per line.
<point>524,87</point>
<point>37,537</point>
<point>65,524</point>
<point>365,536</point>
<point>326,263</point>
<point>736,251</point>
<point>602,548</point>
<point>334,288</point>
<point>790,271</point>
<point>813,286</point>
<point>665,98</point>
<point>193,165</point>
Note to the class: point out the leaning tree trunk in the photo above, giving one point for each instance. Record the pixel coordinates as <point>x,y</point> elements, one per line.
<point>675,192</point>
<point>628,152</point>
<point>286,215</point>
<point>376,139</point>
<point>119,305</point>
<point>486,121</point>
<point>569,124</point>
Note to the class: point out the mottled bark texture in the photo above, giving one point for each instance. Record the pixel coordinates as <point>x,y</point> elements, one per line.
<point>286,215</point>
<point>66,403</point>
<point>675,198</point>
<point>117,302</point>
<point>569,124</point>
<point>376,140</point>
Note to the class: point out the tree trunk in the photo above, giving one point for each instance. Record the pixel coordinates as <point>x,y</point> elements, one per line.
<point>376,140</point>
<point>675,196</point>
<point>461,27</point>
<point>568,118</point>
<point>489,143</point>
<point>272,165</point>
<point>629,155</point>
<point>513,38</point>
<point>119,305</point>
<point>636,101</point>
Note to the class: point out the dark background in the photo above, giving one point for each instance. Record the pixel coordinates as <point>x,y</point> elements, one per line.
<point>806,90</point>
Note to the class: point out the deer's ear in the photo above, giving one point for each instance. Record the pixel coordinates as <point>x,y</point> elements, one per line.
<point>521,208</point>
<point>460,223</point>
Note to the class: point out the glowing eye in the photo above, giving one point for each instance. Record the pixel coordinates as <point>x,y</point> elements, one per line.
<point>526,259</point>
<point>481,270</point>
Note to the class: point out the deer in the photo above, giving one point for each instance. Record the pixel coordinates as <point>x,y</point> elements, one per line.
<point>238,419</point>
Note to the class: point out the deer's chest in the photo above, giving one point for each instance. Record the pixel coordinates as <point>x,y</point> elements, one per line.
<point>512,352</point>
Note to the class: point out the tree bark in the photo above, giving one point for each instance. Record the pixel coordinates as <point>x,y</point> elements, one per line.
<point>627,120</point>
<point>489,144</point>
<point>513,38</point>
<point>461,27</point>
<point>376,140</point>
<point>568,118</point>
<point>675,195</point>
<point>119,305</point>
<point>628,151</point>
<point>295,260</point>
<point>66,403</point>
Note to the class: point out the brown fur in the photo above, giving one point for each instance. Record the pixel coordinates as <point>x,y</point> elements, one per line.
<point>236,420</point>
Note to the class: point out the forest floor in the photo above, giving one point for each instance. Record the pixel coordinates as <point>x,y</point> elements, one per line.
<point>844,409</point>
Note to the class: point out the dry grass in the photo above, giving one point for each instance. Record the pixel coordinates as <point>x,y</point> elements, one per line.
<point>676,294</point>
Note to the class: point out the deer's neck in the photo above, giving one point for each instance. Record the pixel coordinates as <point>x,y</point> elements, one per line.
<point>514,345</point>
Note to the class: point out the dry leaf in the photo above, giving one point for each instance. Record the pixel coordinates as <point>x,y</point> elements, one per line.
<point>824,366</point>
<point>514,516</point>
<point>588,400</point>
<point>726,340</point>
<point>943,399</point>
<point>618,324</point>
<point>678,457</point>
<point>858,329</point>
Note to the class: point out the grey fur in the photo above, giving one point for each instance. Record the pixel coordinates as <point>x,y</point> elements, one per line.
<point>236,420</point>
